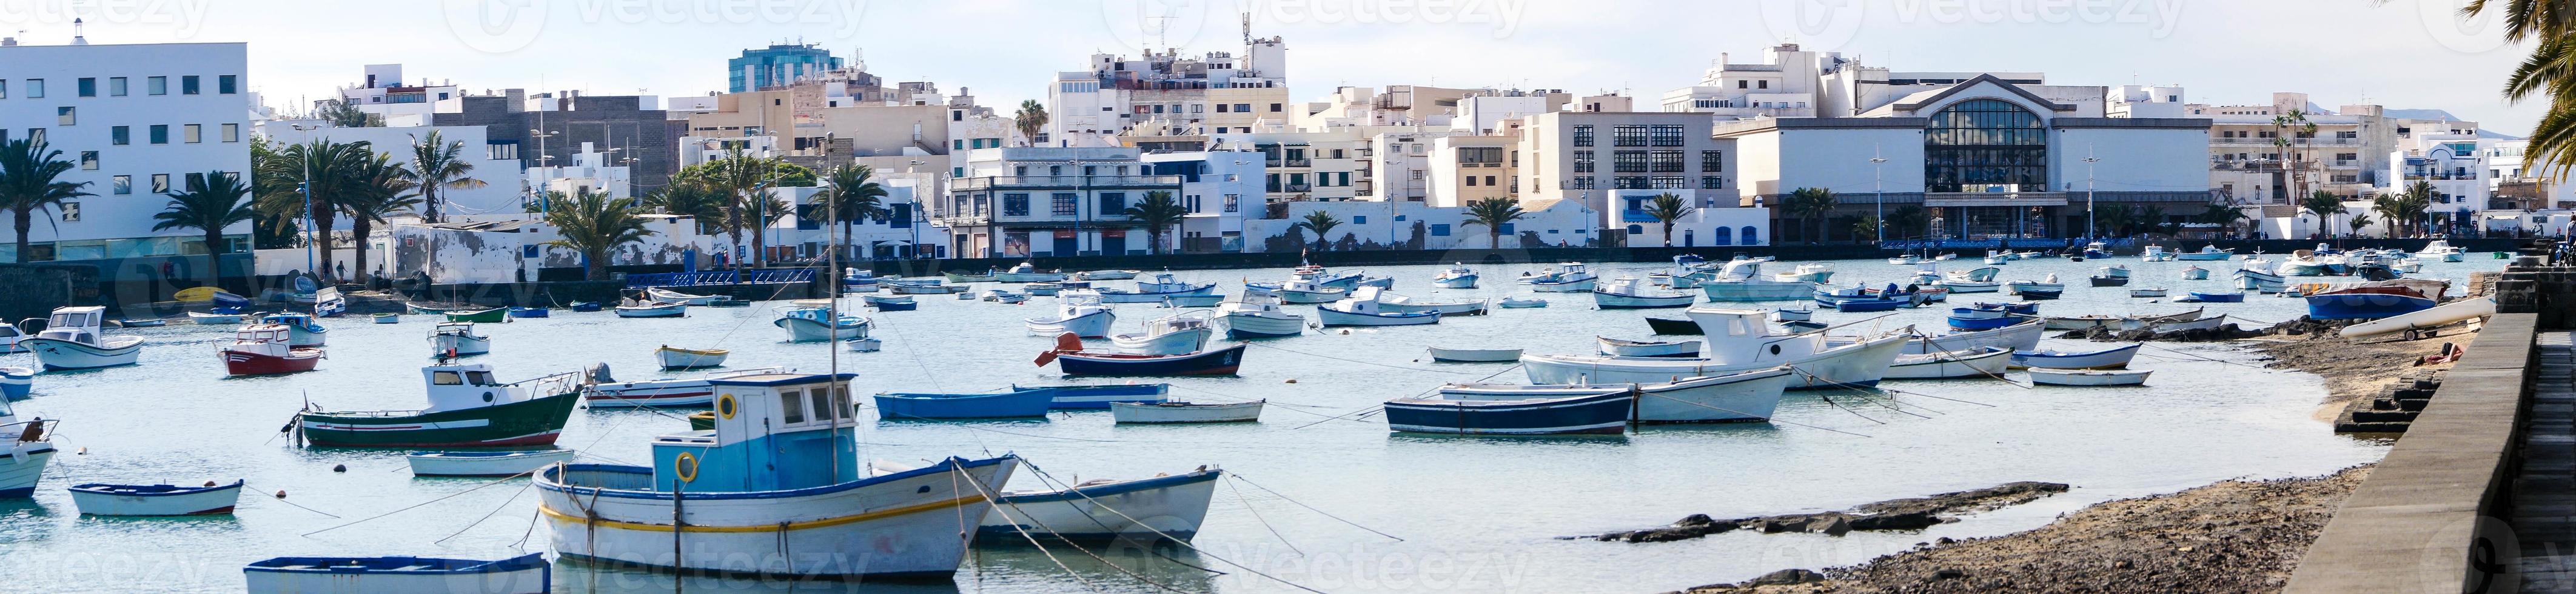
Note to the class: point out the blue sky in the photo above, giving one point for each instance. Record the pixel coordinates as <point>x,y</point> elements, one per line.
<point>2400,53</point>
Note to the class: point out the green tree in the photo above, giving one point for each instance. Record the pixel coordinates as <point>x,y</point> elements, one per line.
<point>385,189</point>
<point>1910,221</point>
<point>2285,127</point>
<point>595,224</point>
<point>337,172</point>
<point>436,167</point>
<point>1158,212</point>
<point>2404,210</point>
<point>1809,205</point>
<point>855,196</point>
<point>224,202</point>
<point>342,114</point>
<point>2326,206</point>
<point>1031,120</point>
<point>747,179</point>
<point>1494,213</point>
<point>1321,223</point>
<point>1866,228</point>
<point>1668,208</point>
<point>2549,28</point>
<point>692,198</point>
<point>30,181</point>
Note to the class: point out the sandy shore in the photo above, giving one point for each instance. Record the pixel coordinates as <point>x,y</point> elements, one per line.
<point>2354,369</point>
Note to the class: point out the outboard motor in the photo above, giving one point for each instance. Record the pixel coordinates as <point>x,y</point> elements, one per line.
<point>598,373</point>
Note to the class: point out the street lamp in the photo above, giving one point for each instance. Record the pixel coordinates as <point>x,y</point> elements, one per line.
<point>542,160</point>
<point>311,242</point>
<point>2089,162</point>
<point>1880,163</point>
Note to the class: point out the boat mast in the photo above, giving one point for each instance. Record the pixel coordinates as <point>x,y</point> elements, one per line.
<point>832,324</point>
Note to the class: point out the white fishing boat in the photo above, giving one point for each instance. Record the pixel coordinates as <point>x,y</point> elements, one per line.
<point>1962,364</point>
<point>2441,249</point>
<point>776,478</point>
<point>1758,289</point>
<point>1458,276</point>
<point>1640,348</point>
<point>864,345</point>
<point>214,319</point>
<point>2113,271</point>
<point>809,324</point>
<point>72,340</point>
<point>103,499</point>
<point>484,463</point>
<point>1143,511</point>
<point>1738,340</point>
<point>1391,302</point>
<point>1368,311</point>
<point>1027,272</point>
<point>2049,285</point>
<point>1163,286</point>
<point>1102,275</point>
<point>400,575</point>
<point>2110,358</point>
<point>1983,274</point>
<point>1177,334</point>
<point>1996,260</point>
<point>1908,260</point>
<point>2207,253</point>
<point>930,287</point>
<point>663,392</point>
<point>2088,377</point>
<point>1966,286</point>
<point>1258,316</point>
<point>2155,253</point>
<point>1079,314</point>
<point>670,296</point>
<point>26,445</point>
<point>1521,302</point>
<point>1191,301</point>
<point>2147,293</point>
<point>1743,396</point>
<point>1302,290</point>
<point>1792,315</point>
<point>2434,317</point>
<point>2306,263</point>
<point>1475,355</point>
<point>1626,293</point>
<point>2020,337</point>
<point>1806,273</point>
<point>652,309</point>
<point>2195,272</point>
<point>1569,277</point>
<point>457,339</point>
<point>1185,412</point>
<point>9,337</point>
<point>679,358</point>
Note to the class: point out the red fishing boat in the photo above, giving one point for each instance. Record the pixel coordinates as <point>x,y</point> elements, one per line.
<point>267,349</point>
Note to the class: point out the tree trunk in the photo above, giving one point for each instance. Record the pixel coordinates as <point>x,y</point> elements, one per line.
<point>1668,234</point>
<point>24,222</point>
<point>214,257</point>
<point>359,227</point>
<point>429,203</point>
<point>592,267</point>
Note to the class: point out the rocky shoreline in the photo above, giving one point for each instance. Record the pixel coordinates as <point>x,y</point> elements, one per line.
<point>1914,513</point>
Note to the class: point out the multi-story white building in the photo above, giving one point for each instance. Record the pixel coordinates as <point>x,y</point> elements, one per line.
<point>594,169</point>
<point>382,93</point>
<point>2265,155</point>
<point>1063,201</point>
<point>1213,93</point>
<point>1220,189</point>
<point>138,122</point>
<point>1328,165</point>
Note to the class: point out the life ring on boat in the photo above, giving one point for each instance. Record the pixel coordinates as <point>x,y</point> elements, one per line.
<point>725,406</point>
<point>685,467</point>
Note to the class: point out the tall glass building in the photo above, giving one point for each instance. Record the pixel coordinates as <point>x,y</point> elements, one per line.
<point>778,65</point>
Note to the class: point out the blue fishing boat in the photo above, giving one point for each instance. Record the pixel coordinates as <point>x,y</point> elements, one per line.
<point>2039,295</point>
<point>387,575</point>
<point>587,306</point>
<point>2199,297</point>
<point>303,331</point>
<point>1606,412</point>
<point>895,303</point>
<point>2367,303</point>
<point>16,382</point>
<point>530,312</point>
<point>2111,358</point>
<point>1866,305</point>
<point>1099,397</point>
<point>1970,319</point>
<point>2027,309</point>
<point>997,405</point>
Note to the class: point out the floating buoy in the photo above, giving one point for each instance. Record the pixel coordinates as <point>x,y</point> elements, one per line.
<point>339,468</point>
<point>281,493</point>
<point>1292,380</point>
<point>1346,332</point>
<point>84,451</point>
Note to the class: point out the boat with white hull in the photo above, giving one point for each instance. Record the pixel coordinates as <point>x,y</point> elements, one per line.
<point>1176,412</point>
<point>1985,362</point>
<point>1080,315</point>
<point>72,340</point>
<point>810,324</point>
<point>1258,316</point>
<point>1366,310</point>
<point>22,460</point>
<point>1177,334</point>
<point>1163,507</point>
<point>1758,289</point>
<point>1569,277</point>
<point>1749,396</point>
<point>1627,293</point>
<point>457,339</point>
<point>1738,340</point>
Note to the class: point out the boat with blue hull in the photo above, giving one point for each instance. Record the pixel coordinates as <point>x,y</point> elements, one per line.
<point>2371,300</point>
<point>997,405</point>
<point>1100,396</point>
<point>1166,507</point>
<point>1604,412</point>
<point>523,574</point>
<point>776,477</point>
<point>16,383</point>
<point>893,303</point>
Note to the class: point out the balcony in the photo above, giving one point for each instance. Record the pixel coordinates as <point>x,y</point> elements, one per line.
<point>1066,182</point>
<point>1300,162</point>
<point>1292,187</point>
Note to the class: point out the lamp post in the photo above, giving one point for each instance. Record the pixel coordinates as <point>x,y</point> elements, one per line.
<point>1880,164</point>
<point>542,160</point>
<point>2089,162</point>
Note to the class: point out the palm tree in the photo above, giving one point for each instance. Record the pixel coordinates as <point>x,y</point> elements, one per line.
<point>2403,209</point>
<point>223,202</point>
<point>1494,213</point>
<point>1866,226</point>
<point>385,189</point>
<point>750,207</point>
<point>692,198</point>
<point>1806,204</point>
<point>855,196</point>
<point>595,224</point>
<point>1031,119</point>
<point>2224,216</point>
<point>2358,220</point>
<point>1158,211</point>
<point>2549,70</point>
<point>2284,127</point>
<point>30,180</point>
<point>1321,223</point>
<point>436,167</point>
<point>2113,221</point>
<point>1909,221</point>
<point>2325,205</point>
<point>336,171</point>
<point>1666,209</point>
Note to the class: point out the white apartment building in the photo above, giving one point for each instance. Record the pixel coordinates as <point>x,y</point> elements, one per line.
<point>2516,185</point>
<point>2346,155</point>
<point>1038,201</point>
<point>1329,165</point>
<point>138,122</point>
<point>382,93</point>
<point>2447,157</point>
<point>594,169</point>
<point>1463,170</point>
<point>1213,93</point>
<point>1221,189</point>
<point>504,185</point>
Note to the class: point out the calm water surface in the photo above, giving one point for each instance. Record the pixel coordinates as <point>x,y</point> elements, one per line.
<point>1475,514</point>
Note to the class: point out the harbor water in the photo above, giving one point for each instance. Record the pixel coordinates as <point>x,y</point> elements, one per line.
<point>1326,498</point>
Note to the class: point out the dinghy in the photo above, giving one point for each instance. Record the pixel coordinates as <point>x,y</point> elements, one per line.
<point>1458,276</point>
<point>1475,355</point>
<point>999,405</point>
<point>103,499</point>
<point>389,575</point>
<point>1790,315</point>
<point>1759,289</point>
<point>1176,334</point>
<point>1099,397</point>
<point>864,345</point>
<point>1747,396</point>
<point>1626,293</point>
<point>2110,358</point>
<point>653,309</point>
<point>531,312</point>
<point>9,337</point>
<point>1368,311</point>
<point>1393,303</point>
<point>585,307</point>
<point>663,392</point>
<point>1163,286</point>
<point>2020,337</point>
<point>386,318</point>
<point>1964,364</point>
<point>1258,316</point>
<point>1606,410</point>
<point>2371,300</point>
<point>1185,412</point>
<point>1102,275</point>
<point>812,324</point>
<point>466,408</point>
<point>2195,273</point>
<point>2438,316</point>
<point>2087,377</point>
<point>2207,253</point>
<point>1631,348</point>
<point>263,350</point>
<point>930,287</point>
<point>2161,326</point>
<point>16,383</point>
<point>895,303</point>
<point>489,316</point>
<point>485,463</point>
<point>679,358</point>
<point>1147,510</point>
<point>1521,303</point>
<point>215,319</point>
<point>1027,272</point>
<point>72,340</point>
<point>2146,293</point>
<point>1081,315</point>
<point>2110,281</point>
<point>2050,285</point>
<point>1072,360</point>
<point>2200,297</point>
<point>457,339</point>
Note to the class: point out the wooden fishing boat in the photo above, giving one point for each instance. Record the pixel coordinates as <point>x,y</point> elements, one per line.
<point>1569,277</point>
<point>680,358</point>
<point>927,289</point>
<point>1475,355</point>
<point>1605,411</point>
<point>484,463</point>
<point>1164,507</point>
<point>1176,334</point>
<point>999,405</point>
<point>896,303</point>
<point>531,312</point>
<point>264,350</point>
<point>493,315</point>
<point>1099,397</point>
<point>653,309</point>
<point>72,340</point>
<point>467,408</point>
<point>1169,412</point>
<point>2088,377</point>
<point>2039,295</point>
<point>386,318</point>
<point>103,499</point>
<point>1072,360</point>
<point>524,574</point>
<point>2110,281</point>
<point>215,319</point>
<point>457,339</point>
<point>1390,302</point>
<point>1637,348</point>
<point>864,345</point>
<point>2111,358</point>
<point>1192,301</point>
<point>662,392</point>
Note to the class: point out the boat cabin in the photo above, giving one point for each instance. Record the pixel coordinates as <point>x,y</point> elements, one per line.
<point>465,329</point>
<point>292,320</point>
<point>460,387</point>
<point>1743,336</point>
<point>772,432</point>
<point>75,324</point>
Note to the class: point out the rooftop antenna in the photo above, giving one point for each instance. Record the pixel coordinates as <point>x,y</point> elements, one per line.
<point>77,38</point>
<point>1247,29</point>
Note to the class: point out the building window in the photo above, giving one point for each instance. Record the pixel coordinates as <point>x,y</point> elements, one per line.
<point>1439,229</point>
<point>89,160</point>
<point>158,85</point>
<point>35,136</point>
<point>88,87</point>
<point>1712,182</point>
<point>1582,161</point>
<point>1221,107</point>
<point>1629,183</point>
<point>1628,135</point>
<point>1583,135</point>
<point>1985,144</point>
<point>1712,161</point>
<point>1667,135</point>
<point>35,88</point>
<point>1471,181</point>
<point>1113,203</point>
<point>71,212</point>
<point>1581,183</point>
<point>232,132</point>
<point>1628,161</point>
<point>1243,108</point>
<point>1668,162</point>
<point>160,183</point>
<point>4,89</point>
<point>116,86</point>
<point>188,85</point>
<point>1485,156</point>
<point>1015,205</point>
<point>121,185</point>
<point>227,84</point>
<point>66,115</point>
<point>160,134</point>
<point>197,182</point>
<point>1359,219</point>
<point>192,133</point>
<point>1066,204</point>
<point>1233,202</point>
<point>1671,182</point>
